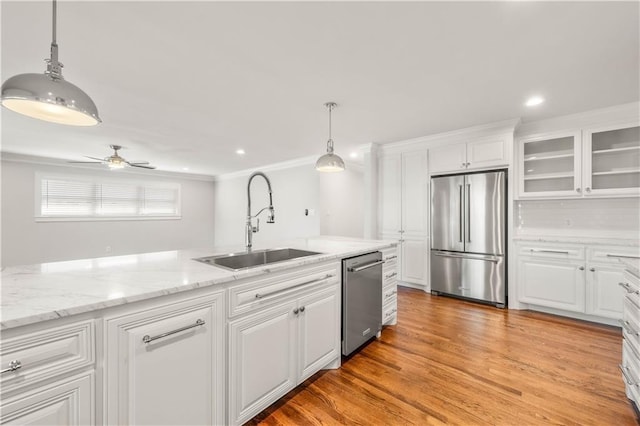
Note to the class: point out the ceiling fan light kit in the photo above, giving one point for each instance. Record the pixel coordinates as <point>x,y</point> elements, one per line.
<point>49,96</point>
<point>330,162</point>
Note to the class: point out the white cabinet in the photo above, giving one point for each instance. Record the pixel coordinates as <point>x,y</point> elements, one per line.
<point>272,350</point>
<point>165,365</point>
<point>390,286</point>
<point>553,283</point>
<point>602,161</point>
<point>630,366</point>
<point>572,277</point>
<point>48,375</point>
<point>404,211</point>
<point>65,402</point>
<point>479,154</point>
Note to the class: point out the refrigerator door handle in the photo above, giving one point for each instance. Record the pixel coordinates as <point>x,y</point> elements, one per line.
<point>468,212</point>
<point>460,213</point>
<point>494,259</point>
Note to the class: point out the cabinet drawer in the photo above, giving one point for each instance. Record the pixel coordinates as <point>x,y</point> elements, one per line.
<point>631,285</point>
<point>612,254</point>
<point>46,353</point>
<point>560,251</point>
<point>631,324</point>
<point>389,255</point>
<point>262,293</point>
<point>389,312</point>
<point>389,294</point>
<point>630,366</point>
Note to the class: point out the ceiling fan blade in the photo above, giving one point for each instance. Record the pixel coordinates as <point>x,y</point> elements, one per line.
<point>142,167</point>
<point>85,162</point>
<point>94,158</point>
<point>137,162</point>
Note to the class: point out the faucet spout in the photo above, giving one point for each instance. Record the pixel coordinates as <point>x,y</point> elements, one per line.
<point>250,229</point>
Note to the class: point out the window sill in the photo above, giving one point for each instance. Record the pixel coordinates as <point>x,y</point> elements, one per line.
<point>101,219</point>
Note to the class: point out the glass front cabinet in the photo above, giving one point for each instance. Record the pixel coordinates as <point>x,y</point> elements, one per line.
<point>595,162</point>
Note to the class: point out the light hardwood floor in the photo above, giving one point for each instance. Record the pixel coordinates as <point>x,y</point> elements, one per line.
<point>452,362</point>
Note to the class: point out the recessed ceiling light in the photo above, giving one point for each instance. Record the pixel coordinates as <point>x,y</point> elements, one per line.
<point>185,169</point>
<point>240,151</point>
<point>534,100</point>
<point>353,155</point>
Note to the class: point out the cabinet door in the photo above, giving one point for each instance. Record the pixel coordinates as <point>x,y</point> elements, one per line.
<point>555,283</point>
<point>318,331</point>
<point>448,158</point>
<point>66,402</point>
<point>605,297</point>
<point>413,260</point>
<point>390,194</point>
<point>414,193</point>
<point>165,366</point>
<point>262,360</point>
<point>612,161</point>
<point>550,166</point>
<point>487,153</point>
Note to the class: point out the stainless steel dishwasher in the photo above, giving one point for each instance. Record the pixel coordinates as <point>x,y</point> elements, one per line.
<point>361,300</point>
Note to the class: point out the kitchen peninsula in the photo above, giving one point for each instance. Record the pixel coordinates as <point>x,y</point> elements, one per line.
<point>114,339</point>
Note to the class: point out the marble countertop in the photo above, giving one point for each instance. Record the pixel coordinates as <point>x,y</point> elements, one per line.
<point>41,292</point>
<point>631,242</point>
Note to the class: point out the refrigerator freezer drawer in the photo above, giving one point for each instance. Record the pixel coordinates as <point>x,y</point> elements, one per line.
<point>474,276</point>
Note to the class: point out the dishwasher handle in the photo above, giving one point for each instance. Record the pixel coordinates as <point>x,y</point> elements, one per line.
<point>367,266</point>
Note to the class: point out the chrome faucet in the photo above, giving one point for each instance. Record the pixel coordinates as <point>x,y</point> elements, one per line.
<point>250,229</point>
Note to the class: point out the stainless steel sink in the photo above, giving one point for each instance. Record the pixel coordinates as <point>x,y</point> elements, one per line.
<point>243,260</point>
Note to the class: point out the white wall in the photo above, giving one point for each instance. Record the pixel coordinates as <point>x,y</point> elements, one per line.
<point>335,199</point>
<point>26,241</point>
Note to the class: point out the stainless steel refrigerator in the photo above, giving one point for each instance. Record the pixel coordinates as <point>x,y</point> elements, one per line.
<point>468,235</point>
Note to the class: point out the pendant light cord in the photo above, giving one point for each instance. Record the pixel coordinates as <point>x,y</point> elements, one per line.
<point>330,141</point>
<point>55,19</point>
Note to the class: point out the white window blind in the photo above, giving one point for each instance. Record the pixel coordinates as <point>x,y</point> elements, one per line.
<point>83,197</point>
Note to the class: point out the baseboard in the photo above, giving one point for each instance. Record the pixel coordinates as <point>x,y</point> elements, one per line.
<point>416,286</point>
<point>575,315</point>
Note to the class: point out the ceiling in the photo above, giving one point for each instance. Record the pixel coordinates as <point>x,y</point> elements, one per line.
<point>186,84</point>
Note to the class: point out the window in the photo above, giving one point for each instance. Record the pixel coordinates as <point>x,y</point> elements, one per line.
<point>74,197</point>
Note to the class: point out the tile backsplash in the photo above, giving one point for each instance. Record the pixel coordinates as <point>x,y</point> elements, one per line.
<point>611,217</point>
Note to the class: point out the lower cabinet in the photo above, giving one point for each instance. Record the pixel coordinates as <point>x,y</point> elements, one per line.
<point>554,283</point>
<point>64,402</point>
<point>273,350</point>
<point>574,278</point>
<point>165,365</point>
<point>390,286</point>
<point>413,257</point>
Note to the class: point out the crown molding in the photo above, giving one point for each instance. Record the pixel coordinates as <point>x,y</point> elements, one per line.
<point>58,162</point>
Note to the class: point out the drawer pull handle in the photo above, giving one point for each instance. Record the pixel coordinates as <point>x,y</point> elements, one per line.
<point>390,294</point>
<point>13,366</point>
<point>549,251</point>
<point>391,312</point>
<point>627,376</point>
<point>393,274</point>
<point>149,339</point>
<point>627,327</point>
<point>260,296</point>
<point>622,255</point>
<point>391,257</point>
<point>627,287</point>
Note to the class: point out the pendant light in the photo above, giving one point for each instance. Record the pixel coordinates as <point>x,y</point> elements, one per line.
<point>330,162</point>
<point>49,96</point>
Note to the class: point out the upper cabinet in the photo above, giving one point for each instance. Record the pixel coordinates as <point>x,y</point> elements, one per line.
<point>612,161</point>
<point>595,162</point>
<point>479,154</point>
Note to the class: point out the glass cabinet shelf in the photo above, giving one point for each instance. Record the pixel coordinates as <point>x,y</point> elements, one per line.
<point>614,160</point>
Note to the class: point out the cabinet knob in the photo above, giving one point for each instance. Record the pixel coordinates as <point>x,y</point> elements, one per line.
<point>578,190</point>
<point>587,189</point>
<point>581,268</point>
<point>464,165</point>
<point>295,311</point>
<point>301,308</point>
<point>467,164</point>
<point>592,269</point>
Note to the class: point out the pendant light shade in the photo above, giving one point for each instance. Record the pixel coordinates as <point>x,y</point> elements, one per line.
<point>49,96</point>
<point>330,162</point>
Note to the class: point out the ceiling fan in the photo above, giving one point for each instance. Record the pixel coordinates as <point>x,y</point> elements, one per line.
<point>114,161</point>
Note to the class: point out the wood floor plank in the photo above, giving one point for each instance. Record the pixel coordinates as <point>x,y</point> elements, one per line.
<point>449,361</point>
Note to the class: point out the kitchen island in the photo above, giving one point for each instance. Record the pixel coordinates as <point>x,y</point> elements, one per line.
<point>161,338</point>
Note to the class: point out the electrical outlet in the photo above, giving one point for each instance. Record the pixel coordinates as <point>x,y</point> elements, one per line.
<point>309,212</point>
<point>107,249</point>
<point>567,222</point>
